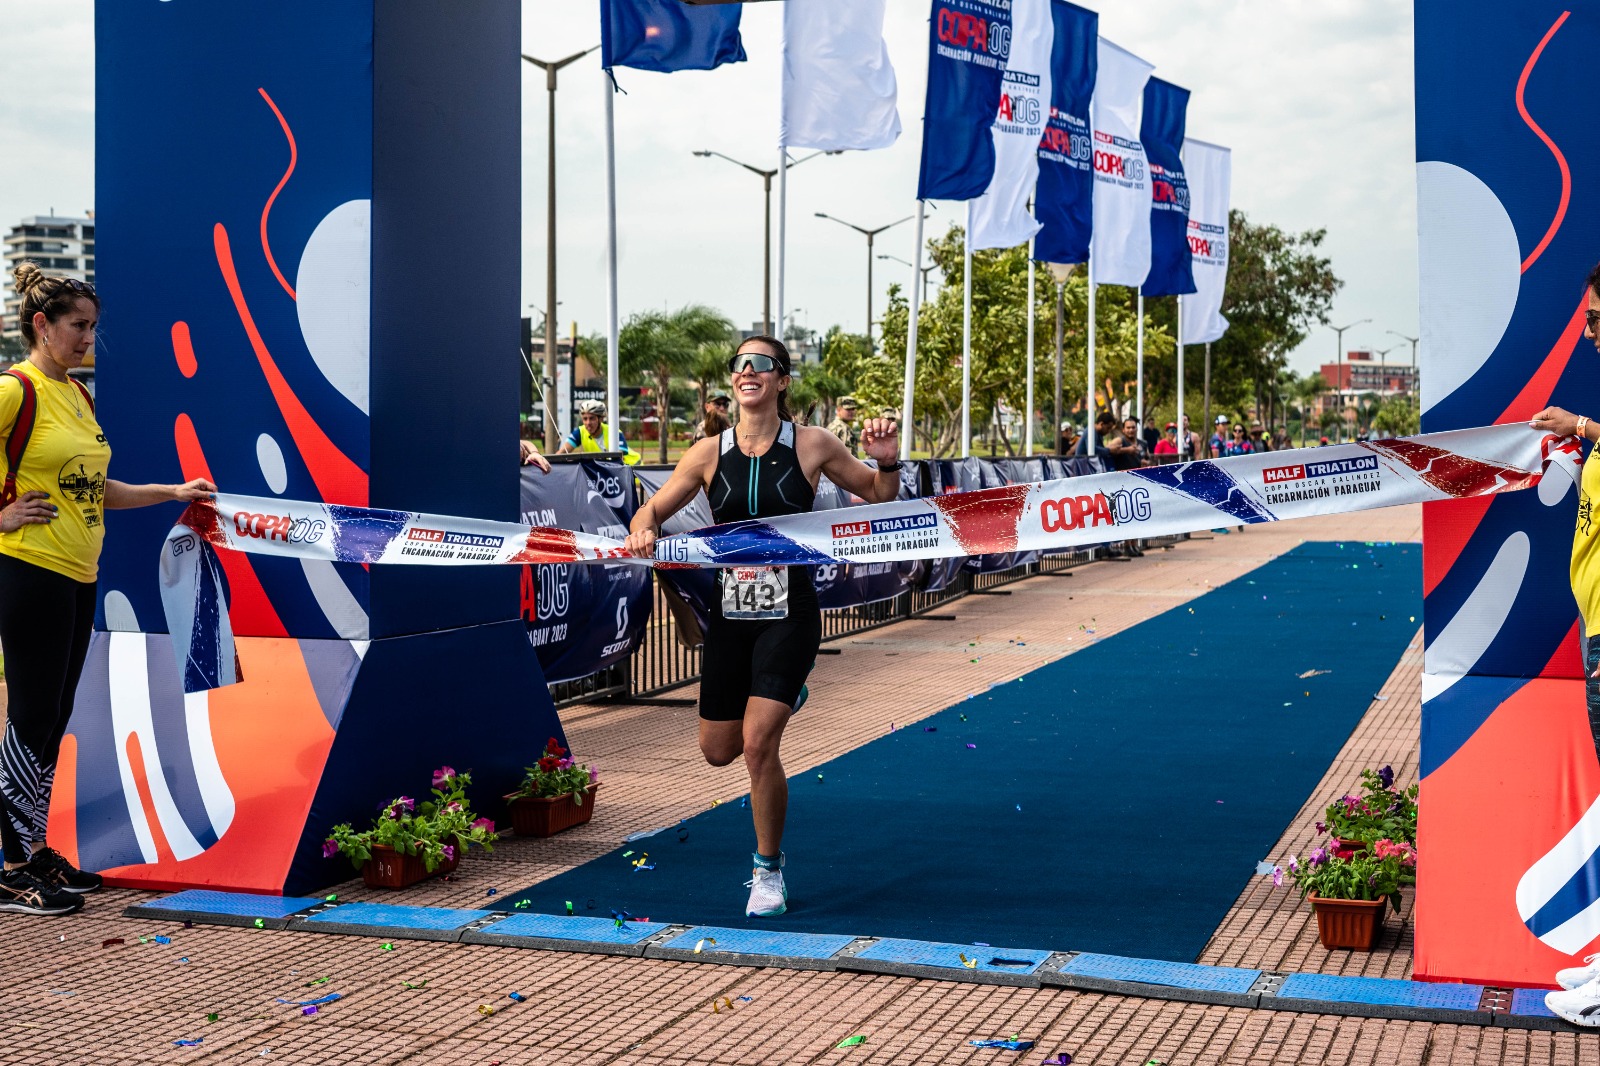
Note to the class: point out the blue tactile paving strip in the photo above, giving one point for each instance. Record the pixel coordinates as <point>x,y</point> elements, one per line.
<point>387,920</point>
<point>1371,997</point>
<point>207,907</point>
<point>754,947</point>
<point>1172,980</point>
<point>598,936</point>
<point>1379,997</point>
<point>920,958</point>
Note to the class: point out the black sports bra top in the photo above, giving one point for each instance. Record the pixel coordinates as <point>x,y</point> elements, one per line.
<point>765,487</point>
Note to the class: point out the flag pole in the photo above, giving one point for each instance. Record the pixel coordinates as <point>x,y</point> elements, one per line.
<point>613,383</point>
<point>1027,411</point>
<point>966,341</point>
<point>906,419</point>
<point>783,232</point>
<point>1183,432</point>
<point>1139,391</point>
<point>1088,421</point>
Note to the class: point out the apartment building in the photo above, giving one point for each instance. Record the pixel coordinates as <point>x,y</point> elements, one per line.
<point>60,245</point>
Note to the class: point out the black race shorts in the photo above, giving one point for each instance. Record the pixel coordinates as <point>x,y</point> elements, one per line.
<point>767,658</point>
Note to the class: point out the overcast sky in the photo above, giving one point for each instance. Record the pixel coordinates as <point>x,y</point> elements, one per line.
<point>1314,98</point>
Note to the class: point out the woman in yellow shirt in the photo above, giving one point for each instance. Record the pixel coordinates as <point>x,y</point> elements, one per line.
<point>51,527</point>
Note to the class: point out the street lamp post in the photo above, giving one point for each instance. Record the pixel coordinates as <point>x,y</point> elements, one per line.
<point>766,186</point>
<point>1338,342</point>
<point>906,262</point>
<point>552,439</point>
<point>1413,341</point>
<point>1060,272</point>
<point>869,234</point>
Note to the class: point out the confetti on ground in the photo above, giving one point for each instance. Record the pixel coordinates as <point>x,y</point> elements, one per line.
<point>329,998</point>
<point>972,745</point>
<point>485,1010</point>
<point>851,1041</point>
<point>720,1002</point>
<point>386,946</point>
<point>260,924</point>
<point>332,897</point>
<point>516,997</point>
<point>492,892</point>
<point>930,729</point>
<point>187,925</point>
<point>819,777</point>
<point>971,964</point>
<point>521,904</point>
<point>569,908</point>
<point>162,939</point>
<point>113,942</point>
<point>308,1011</point>
<point>213,1017</point>
<point>187,1043</point>
<point>184,959</point>
<point>1004,1045</point>
<point>1314,673</point>
<point>1061,1059</point>
<point>61,992</point>
<point>703,943</point>
<point>412,986</point>
<point>318,981</point>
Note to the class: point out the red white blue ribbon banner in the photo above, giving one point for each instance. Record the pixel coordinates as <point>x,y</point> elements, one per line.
<point>1093,509</point>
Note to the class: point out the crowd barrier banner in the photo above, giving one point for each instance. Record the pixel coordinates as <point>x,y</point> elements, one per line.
<point>697,588</point>
<point>1144,503</point>
<point>582,619</point>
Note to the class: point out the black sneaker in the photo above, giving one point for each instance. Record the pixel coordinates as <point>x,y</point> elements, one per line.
<point>51,867</point>
<point>24,893</point>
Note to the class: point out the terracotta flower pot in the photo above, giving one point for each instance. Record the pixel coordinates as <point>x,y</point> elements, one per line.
<point>1349,923</point>
<point>543,816</point>
<point>389,868</point>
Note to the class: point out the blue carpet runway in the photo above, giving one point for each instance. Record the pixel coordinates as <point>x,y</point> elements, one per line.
<point>1114,801</point>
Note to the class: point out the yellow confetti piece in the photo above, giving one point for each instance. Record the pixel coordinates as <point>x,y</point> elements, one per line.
<point>485,1010</point>
<point>642,859</point>
<point>718,1004</point>
<point>971,964</point>
<point>703,943</point>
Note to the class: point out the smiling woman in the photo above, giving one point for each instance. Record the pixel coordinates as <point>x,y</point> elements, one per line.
<point>51,527</point>
<point>764,632</point>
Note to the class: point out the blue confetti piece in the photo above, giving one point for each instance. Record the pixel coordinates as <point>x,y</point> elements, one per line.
<point>187,1043</point>
<point>492,891</point>
<point>329,998</point>
<point>163,939</point>
<point>1004,1045</point>
<point>517,996</point>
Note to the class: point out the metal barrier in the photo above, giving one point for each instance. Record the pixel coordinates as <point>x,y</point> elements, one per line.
<point>662,662</point>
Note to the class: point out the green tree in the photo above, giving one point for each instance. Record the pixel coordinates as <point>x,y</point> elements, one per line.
<point>1304,393</point>
<point>999,345</point>
<point>657,346</point>
<point>1398,416</point>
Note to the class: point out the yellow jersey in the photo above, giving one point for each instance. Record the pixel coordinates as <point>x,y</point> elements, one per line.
<point>67,457</point>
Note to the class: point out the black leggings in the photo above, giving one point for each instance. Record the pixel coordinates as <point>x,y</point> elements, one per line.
<point>45,622</point>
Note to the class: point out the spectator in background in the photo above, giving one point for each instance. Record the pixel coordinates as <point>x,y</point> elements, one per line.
<point>1104,428</point>
<point>1258,442</point>
<point>715,418</point>
<point>591,433</point>
<point>1239,444</point>
<point>1150,435</point>
<point>1132,452</point>
<point>1281,440</point>
<point>1067,439</point>
<point>843,424</point>
<point>1166,449</point>
<point>1193,451</point>
<point>1219,437</point>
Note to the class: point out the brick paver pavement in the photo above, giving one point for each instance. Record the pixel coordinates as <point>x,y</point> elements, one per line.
<point>65,998</point>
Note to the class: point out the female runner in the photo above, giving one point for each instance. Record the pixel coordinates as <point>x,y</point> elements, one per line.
<point>765,629</point>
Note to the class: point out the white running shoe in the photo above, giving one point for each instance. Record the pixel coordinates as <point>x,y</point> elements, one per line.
<point>1578,976</point>
<point>769,898</point>
<point>1580,1006</point>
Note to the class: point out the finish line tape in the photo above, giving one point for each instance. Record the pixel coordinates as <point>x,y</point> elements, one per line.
<point>1072,512</point>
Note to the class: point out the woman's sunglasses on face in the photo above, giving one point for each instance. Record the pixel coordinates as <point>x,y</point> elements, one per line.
<point>752,361</point>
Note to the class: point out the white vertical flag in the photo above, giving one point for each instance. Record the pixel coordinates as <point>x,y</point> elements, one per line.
<point>1000,217</point>
<point>839,87</point>
<point>1209,169</point>
<point>1121,248</point>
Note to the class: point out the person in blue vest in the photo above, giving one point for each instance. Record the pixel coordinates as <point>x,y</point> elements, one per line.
<point>590,434</point>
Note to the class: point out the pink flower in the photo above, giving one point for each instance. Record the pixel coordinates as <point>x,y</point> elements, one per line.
<point>330,848</point>
<point>1277,877</point>
<point>442,776</point>
<point>449,852</point>
<point>1321,828</point>
<point>453,805</point>
<point>486,824</point>
<point>594,775</point>
<point>564,764</point>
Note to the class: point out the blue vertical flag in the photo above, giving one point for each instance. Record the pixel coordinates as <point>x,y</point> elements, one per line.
<point>969,42</point>
<point>1171,259</point>
<point>667,35</point>
<point>1064,203</point>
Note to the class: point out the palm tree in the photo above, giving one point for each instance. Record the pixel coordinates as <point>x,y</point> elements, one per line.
<point>660,345</point>
<point>1306,392</point>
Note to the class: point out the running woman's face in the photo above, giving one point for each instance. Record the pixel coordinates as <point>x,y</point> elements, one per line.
<point>757,389</point>
<point>1591,326</point>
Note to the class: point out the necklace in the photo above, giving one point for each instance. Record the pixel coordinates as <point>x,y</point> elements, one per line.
<point>72,396</point>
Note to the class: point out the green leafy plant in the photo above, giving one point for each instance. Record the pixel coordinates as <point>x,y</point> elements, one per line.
<point>1380,811</point>
<point>557,774</point>
<point>1374,874</point>
<point>436,829</point>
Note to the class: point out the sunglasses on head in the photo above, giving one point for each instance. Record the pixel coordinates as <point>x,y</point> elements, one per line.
<point>753,361</point>
<point>83,288</point>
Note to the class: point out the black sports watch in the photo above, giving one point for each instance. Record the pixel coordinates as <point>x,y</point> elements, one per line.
<point>888,468</point>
